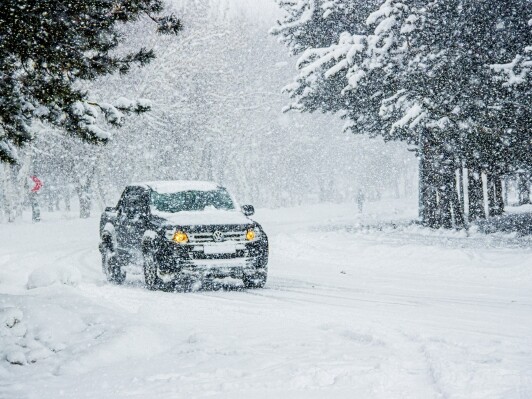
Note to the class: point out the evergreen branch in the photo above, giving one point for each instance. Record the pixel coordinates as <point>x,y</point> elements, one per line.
<point>166,25</point>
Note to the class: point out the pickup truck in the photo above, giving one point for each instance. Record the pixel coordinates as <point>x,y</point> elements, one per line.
<point>182,232</point>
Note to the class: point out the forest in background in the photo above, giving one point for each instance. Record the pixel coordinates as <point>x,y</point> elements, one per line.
<point>214,94</point>
<point>216,115</point>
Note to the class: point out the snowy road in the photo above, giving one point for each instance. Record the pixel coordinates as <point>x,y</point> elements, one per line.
<point>353,308</point>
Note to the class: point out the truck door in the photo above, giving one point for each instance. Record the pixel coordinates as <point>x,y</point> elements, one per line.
<point>132,219</point>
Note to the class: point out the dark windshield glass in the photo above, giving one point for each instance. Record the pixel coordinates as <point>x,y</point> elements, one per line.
<point>191,201</point>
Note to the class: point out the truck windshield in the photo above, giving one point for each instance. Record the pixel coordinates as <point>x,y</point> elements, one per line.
<point>191,200</point>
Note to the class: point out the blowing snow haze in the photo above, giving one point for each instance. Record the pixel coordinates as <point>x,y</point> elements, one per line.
<point>216,100</point>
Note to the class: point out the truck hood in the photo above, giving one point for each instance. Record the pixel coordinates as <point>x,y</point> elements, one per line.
<point>201,218</point>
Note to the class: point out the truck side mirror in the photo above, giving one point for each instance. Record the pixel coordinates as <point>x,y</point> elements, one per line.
<point>248,210</point>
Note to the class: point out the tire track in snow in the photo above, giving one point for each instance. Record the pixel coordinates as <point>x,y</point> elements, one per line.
<point>412,299</point>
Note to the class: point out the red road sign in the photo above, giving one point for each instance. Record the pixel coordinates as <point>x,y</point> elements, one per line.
<point>38,184</point>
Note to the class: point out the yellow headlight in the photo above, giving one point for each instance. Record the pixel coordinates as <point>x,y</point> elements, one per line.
<point>250,235</point>
<point>180,237</point>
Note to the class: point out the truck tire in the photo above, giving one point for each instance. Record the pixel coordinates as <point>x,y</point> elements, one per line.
<point>111,265</point>
<point>258,280</point>
<point>255,281</point>
<point>151,279</point>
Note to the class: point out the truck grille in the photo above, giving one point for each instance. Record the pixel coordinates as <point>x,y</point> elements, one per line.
<point>234,236</point>
<point>236,255</point>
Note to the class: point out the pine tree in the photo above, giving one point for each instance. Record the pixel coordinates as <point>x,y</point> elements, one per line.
<point>435,74</point>
<point>48,48</point>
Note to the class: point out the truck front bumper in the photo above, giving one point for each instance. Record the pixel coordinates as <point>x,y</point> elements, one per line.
<point>220,269</point>
<point>248,261</point>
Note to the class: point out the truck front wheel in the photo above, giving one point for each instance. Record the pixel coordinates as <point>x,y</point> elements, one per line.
<point>258,279</point>
<point>152,280</point>
<point>111,265</point>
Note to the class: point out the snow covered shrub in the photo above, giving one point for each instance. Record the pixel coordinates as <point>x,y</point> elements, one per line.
<point>48,275</point>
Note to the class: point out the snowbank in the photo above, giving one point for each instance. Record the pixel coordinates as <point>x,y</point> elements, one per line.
<point>48,275</point>
<point>357,305</point>
<point>17,346</point>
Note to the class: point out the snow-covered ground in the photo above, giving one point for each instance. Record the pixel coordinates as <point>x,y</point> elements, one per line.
<point>355,307</point>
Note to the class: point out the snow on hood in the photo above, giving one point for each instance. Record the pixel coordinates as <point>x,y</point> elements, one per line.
<point>206,217</point>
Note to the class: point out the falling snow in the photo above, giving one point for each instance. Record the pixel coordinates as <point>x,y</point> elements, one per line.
<point>385,145</point>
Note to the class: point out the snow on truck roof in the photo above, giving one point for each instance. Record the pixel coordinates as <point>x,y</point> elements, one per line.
<point>172,186</point>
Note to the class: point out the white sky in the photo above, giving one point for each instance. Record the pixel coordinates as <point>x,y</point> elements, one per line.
<point>258,10</point>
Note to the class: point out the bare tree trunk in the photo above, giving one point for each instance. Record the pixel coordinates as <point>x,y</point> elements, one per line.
<point>20,173</point>
<point>35,209</point>
<point>83,189</point>
<point>428,200</point>
<point>450,208</point>
<point>84,199</point>
<point>50,197</point>
<point>396,191</point>
<point>459,187</point>
<point>66,196</point>
<point>499,200</point>
<point>505,191</point>
<point>457,200</point>
<point>446,190</point>
<point>102,197</point>
<point>84,177</point>
<point>9,205</point>
<point>495,200</point>
<point>476,195</point>
<point>523,187</point>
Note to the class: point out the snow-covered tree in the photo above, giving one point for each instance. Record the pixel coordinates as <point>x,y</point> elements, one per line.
<point>423,72</point>
<point>49,48</point>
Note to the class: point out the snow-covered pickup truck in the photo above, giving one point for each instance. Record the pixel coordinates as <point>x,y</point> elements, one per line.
<point>182,232</point>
